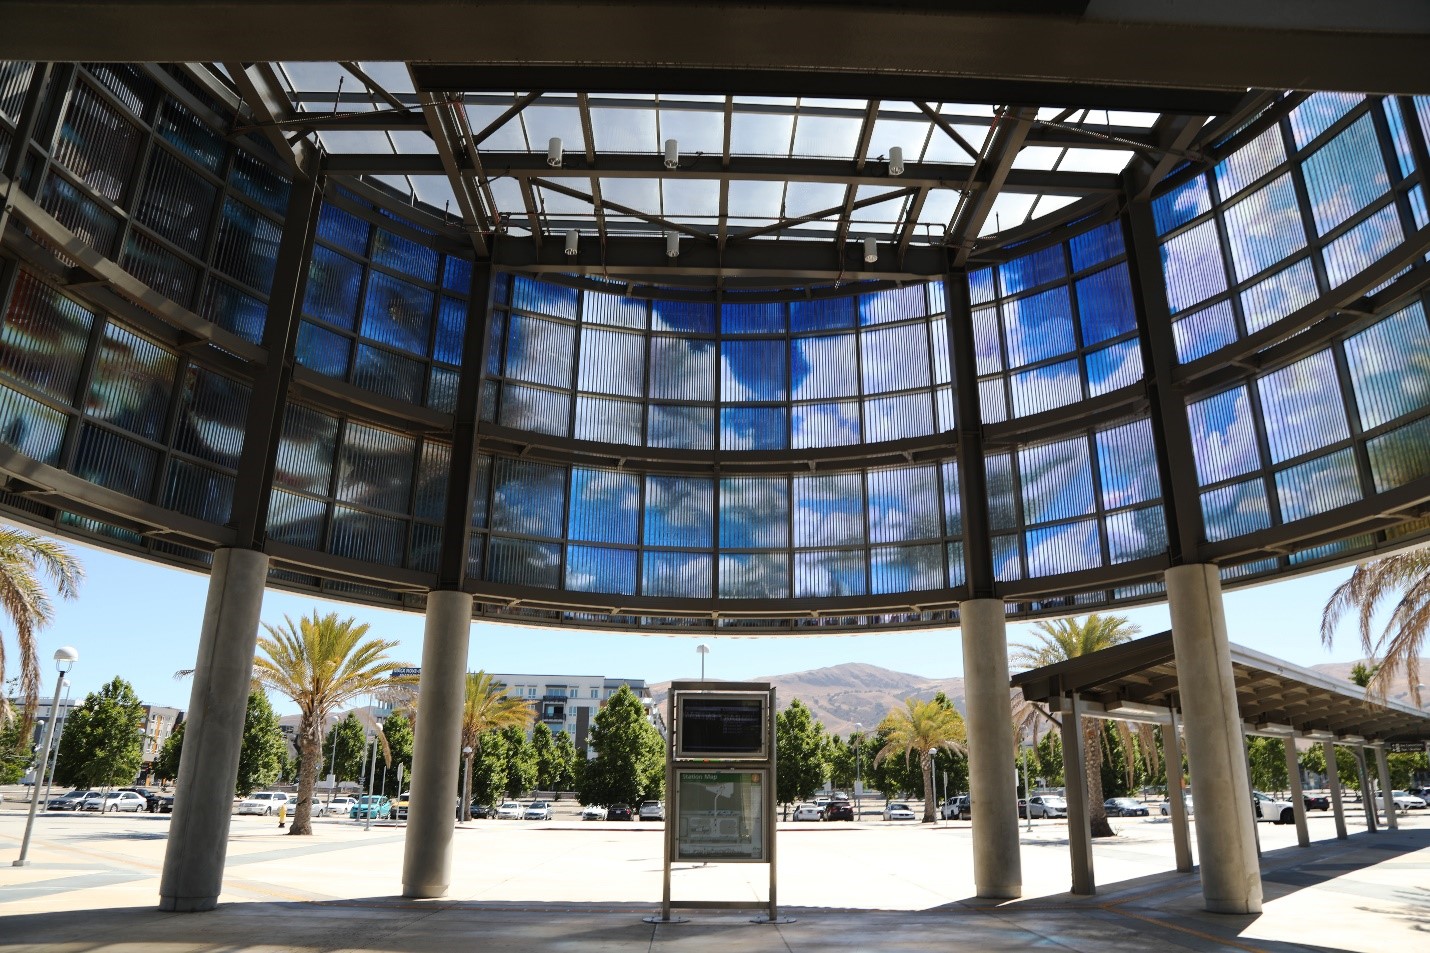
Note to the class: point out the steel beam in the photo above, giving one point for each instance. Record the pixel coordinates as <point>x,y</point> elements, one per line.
<point>461,480</point>
<point>461,166</point>
<point>263,92</point>
<point>993,168</point>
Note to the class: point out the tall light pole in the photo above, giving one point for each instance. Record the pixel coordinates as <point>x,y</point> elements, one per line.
<point>858,773</point>
<point>467,783</point>
<point>703,650</point>
<point>64,660</point>
<point>59,739</point>
<point>933,777</point>
<point>372,774</point>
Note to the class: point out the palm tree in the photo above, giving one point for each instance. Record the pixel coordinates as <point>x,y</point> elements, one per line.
<point>917,729</point>
<point>1404,578</point>
<point>487,708</point>
<point>1064,639</point>
<point>24,558</point>
<point>321,662</point>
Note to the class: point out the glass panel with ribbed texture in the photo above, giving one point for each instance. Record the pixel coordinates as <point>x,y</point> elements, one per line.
<point>825,367</point>
<point>612,362</point>
<point>1127,464</point>
<point>752,317</point>
<point>822,314</point>
<point>1202,332</point>
<point>483,481</point>
<point>1136,534</point>
<point>1223,436</point>
<point>397,313</point>
<point>247,247</point>
<point>1071,547</point>
<point>30,427</point>
<point>540,352</point>
<point>1235,510</point>
<point>682,369</point>
<point>522,562</point>
<point>906,569</point>
<point>1114,367</point>
<point>306,450</point>
<point>1002,490</point>
<point>1056,480</point>
<point>343,229</point>
<point>426,547</point>
<point>1176,208</point>
<point>1105,308</point>
<point>1038,327</point>
<point>1096,245</point>
<point>1279,295</point>
<point>1032,270</point>
<point>687,317</point>
<point>198,492</point>
<point>98,144</point>
<point>43,338</point>
<point>187,132</point>
<point>1192,267</point>
<point>295,520</point>
<point>389,374</point>
<point>754,513</point>
<point>678,427</point>
<point>992,401</point>
<point>334,283</point>
<point>160,269</point>
<point>451,331</point>
<point>1390,366</point>
<point>528,498</point>
<point>754,576</point>
<point>608,421</point>
<point>322,351</point>
<point>898,418</point>
<point>1362,246</point>
<point>433,465</point>
<point>1318,485</point>
<point>212,417</point>
<point>904,504</point>
<point>1007,560</point>
<point>130,84</point>
<point>542,297</point>
<point>677,575</point>
<point>404,255</point>
<point>1401,455</point>
<point>1249,163</point>
<point>375,468</point>
<point>1044,388</point>
<point>753,371</point>
<point>598,569</point>
<point>988,350</point>
<point>176,202</point>
<point>14,82</point>
<point>1264,228</point>
<point>895,358</point>
<point>80,214</point>
<point>605,506</point>
<point>1345,175</point>
<point>116,462</point>
<point>258,181</point>
<point>534,409</point>
<point>614,310</point>
<point>679,511</point>
<point>1302,407</point>
<point>828,510</point>
<point>823,573</point>
<point>753,428</point>
<point>895,304</point>
<point>133,379</point>
<point>952,504</point>
<point>834,424</point>
<point>1318,113</point>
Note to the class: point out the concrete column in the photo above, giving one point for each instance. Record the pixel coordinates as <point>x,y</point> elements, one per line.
<point>1387,795</point>
<point>997,865</point>
<point>213,735</point>
<point>1367,796</point>
<point>1333,781</point>
<point>1226,840</point>
<point>1177,804</point>
<point>1298,803</point>
<point>1255,808</point>
<point>436,751</point>
<point>1075,781</point>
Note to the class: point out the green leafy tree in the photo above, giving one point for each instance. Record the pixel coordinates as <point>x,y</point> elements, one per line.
<point>102,746</point>
<point>1363,674</point>
<point>1267,760</point>
<point>520,762</point>
<point>915,730</point>
<point>1314,759</point>
<point>628,761</point>
<point>15,755</point>
<point>320,662</point>
<point>260,760</point>
<point>486,708</point>
<point>839,756</point>
<point>398,731</point>
<point>489,764</point>
<point>343,754</point>
<point>25,561</point>
<point>1063,639</point>
<point>893,777</point>
<point>563,766</point>
<point>800,767</point>
<point>1402,583</point>
<point>1049,762</point>
<point>543,754</point>
<point>1406,767</point>
<point>166,765</point>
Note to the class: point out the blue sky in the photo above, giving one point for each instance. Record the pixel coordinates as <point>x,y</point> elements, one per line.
<point>140,620</point>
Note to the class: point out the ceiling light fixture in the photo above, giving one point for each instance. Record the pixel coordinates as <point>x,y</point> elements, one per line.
<point>896,160</point>
<point>672,154</point>
<point>672,242</point>
<point>553,152</point>
<point>871,251</point>
<point>573,239</point>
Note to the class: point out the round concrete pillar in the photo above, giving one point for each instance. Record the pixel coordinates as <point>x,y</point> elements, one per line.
<point>1226,837</point>
<point>213,733</point>
<point>997,865</point>
<point>436,751</point>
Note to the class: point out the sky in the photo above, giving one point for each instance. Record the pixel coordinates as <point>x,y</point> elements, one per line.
<point>140,620</point>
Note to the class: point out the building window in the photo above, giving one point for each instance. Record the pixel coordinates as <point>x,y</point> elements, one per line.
<point>531,692</point>
<point>595,693</point>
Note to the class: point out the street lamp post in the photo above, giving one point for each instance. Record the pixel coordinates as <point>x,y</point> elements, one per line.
<point>703,650</point>
<point>59,739</point>
<point>467,783</point>
<point>64,660</point>
<point>371,777</point>
<point>858,773</point>
<point>933,777</point>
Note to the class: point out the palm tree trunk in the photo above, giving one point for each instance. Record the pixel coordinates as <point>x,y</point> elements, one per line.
<point>929,794</point>
<point>1092,767</point>
<point>467,786</point>
<point>310,759</point>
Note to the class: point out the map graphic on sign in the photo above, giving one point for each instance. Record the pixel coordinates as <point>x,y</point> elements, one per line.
<point>720,816</point>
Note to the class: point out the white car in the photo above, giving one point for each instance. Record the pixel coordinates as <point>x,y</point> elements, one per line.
<point>805,812</point>
<point>593,812</point>
<point>115,801</point>
<point>338,806</point>
<point>898,811</point>
<point>510,811</point>
<point>1047,805</point>
<point>537,811</point>
<point>263,802</point>
<point>651,811</point>
<point>1166,806</point>
<point>1405,801</point>
<point>1270,809</point>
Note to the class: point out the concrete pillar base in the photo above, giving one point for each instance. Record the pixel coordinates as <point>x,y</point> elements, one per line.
<point>1234,906</point>
<point>187,904</point>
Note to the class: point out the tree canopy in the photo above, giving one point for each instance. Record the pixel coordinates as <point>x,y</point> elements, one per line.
<point>260,760</point>
<point>102,745</point>
<point>628,763</point>
<point>1402,583</point>
<point>26,560</point>
<point>913,733</point>
<point>800,747</point>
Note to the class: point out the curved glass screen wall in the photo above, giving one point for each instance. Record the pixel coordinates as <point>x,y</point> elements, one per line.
<point>763,462</point>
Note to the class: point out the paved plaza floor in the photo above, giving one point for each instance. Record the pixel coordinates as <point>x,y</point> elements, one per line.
<point>568,885</point>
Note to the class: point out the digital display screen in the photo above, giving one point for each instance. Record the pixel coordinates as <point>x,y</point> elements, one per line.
<point>721,727</point>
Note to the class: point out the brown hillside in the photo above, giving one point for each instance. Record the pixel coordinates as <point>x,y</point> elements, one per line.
<point>1399,688</point>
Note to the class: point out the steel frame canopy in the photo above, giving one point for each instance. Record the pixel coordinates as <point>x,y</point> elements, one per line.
<point>1137,681</point>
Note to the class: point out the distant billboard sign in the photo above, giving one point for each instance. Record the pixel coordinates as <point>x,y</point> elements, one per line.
<point>406,672</point>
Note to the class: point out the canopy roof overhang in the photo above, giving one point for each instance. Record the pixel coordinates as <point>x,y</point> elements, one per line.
<point>1137,681</point>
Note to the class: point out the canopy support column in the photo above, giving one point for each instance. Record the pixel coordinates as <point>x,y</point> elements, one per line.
<point>1075,780</point>
<point>1387,796</point>
<point>1367,797</point>
<point>1298,801</point>
<point>1176,795</point>
<point>1333,782</point>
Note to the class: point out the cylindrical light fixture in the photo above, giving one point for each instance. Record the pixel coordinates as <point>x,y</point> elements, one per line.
<point>553,152</point>
<point>672,244</point>
<point>573,240</point>
<point>896,160</point>
<point>672,154</point>
<point>871,251</point>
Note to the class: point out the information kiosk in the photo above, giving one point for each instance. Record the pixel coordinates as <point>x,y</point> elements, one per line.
<point>720,779</point>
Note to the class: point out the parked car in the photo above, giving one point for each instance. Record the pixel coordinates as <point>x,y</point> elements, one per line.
<point>1124,807</point>
<point>481,812</point>
<point>1165,808</point>
<point>839,811</point>
<point>376,806</point>
<point>263,802</point>
<point>1405,801</point>
<point>805,812</point>
<point>899,811</point>
<point>1317,802</point>
<point>68,802</point>
<point>150,796</point>
<point>165,804</point>
<point>339,806</point>
<point>839,796</point>
<point>113,802</point>
<point>509,811</point>
<point>959,807</point>
<point>537,811</point>
<point>651,811</point>
<point>593,812</point>
<point>399,806</point>
<point>618,812</point>
<point>1267,808</point>
<point>1048,805</point>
